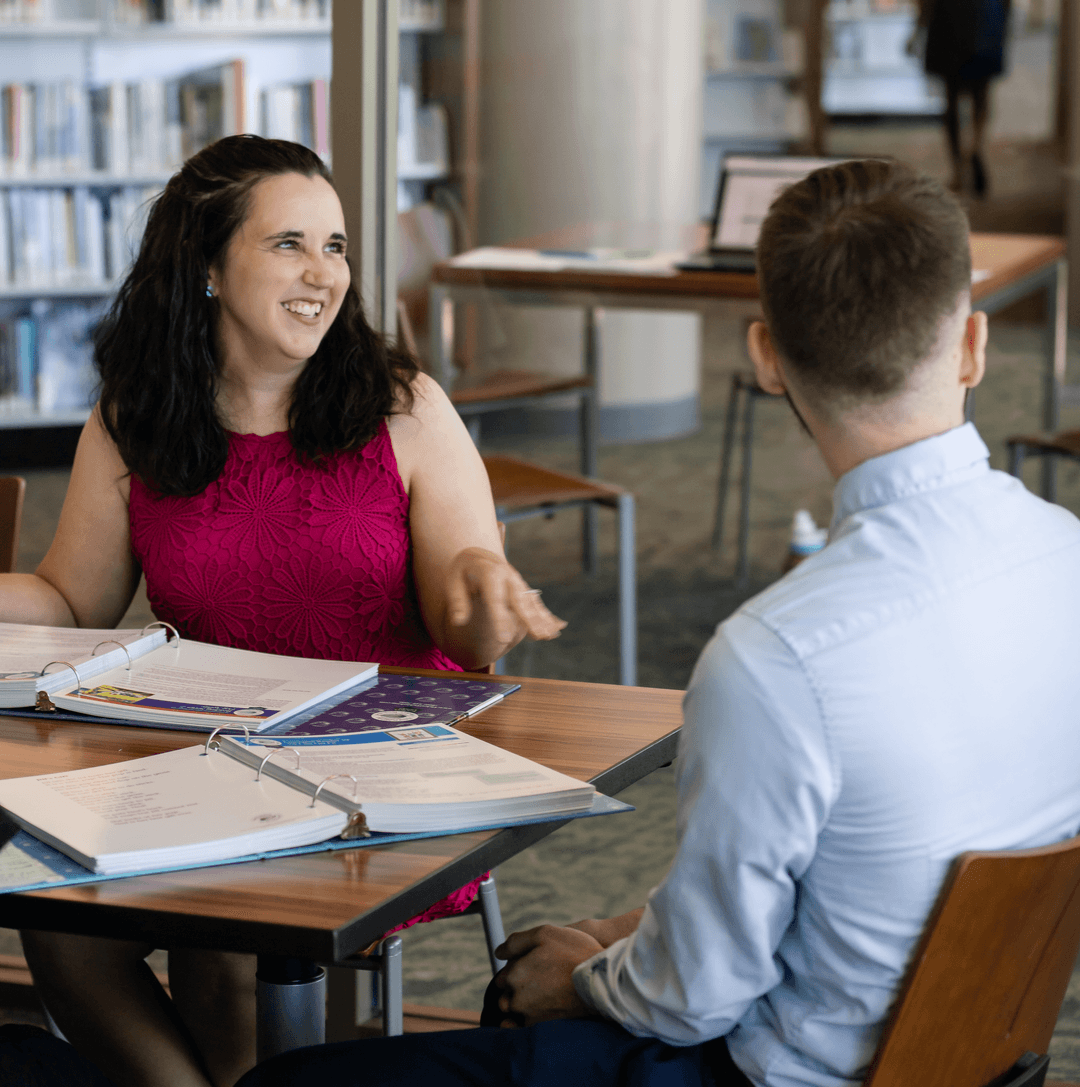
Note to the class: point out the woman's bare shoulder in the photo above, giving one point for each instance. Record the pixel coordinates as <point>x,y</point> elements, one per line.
<point>98,463</point>
<point>427,429</point>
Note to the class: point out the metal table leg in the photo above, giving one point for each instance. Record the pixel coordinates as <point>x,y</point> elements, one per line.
<point>742,568</point>
<point>290,1005</point>
<point>1057,316</point>
<point>589,422</point>
<point>441,331</point>
<point>627,592</point>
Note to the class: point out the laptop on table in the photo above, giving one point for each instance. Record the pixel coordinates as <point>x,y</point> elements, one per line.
<point>748,185</point>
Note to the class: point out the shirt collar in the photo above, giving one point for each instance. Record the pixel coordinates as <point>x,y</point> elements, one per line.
<point>933,463</point>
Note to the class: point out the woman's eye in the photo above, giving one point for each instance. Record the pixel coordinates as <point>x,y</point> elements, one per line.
<point>287,244</point>
<point>336,247</point>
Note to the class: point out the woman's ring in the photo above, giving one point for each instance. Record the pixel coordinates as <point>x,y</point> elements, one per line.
<point>532,592</point>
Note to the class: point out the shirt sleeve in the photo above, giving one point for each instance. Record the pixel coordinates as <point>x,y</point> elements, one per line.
<point>755,783</point>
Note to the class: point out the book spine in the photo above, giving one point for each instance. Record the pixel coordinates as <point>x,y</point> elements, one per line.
<point>118,129</point>
<point>320,106</point>
<point>26,359</point>
<point>5,241</point>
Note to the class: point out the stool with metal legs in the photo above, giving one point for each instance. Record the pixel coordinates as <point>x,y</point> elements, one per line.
<point>741,384</point>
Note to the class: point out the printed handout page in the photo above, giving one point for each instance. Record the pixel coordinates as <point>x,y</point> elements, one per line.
<point>417,778</point>
<point>18,868</point>
<point>204,686</point>
<point>648,262</point>
<point>179,807</point>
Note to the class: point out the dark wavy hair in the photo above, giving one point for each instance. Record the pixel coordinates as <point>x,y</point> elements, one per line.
<point>155,350</point>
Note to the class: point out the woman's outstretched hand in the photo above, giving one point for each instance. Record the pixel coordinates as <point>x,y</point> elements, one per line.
<point>489,597</point>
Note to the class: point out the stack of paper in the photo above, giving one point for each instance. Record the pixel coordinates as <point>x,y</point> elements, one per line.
<point>416,779</point>
<point>179,808</point>
<point>26,650</point>
<point>191,685</point>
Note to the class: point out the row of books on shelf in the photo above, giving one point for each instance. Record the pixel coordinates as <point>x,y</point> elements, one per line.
<point>258,13</point>
<point>79,237</point>
<point>49,130</point>
<point>151,126</point>
<point>185,12</point>
<point>47,356</point>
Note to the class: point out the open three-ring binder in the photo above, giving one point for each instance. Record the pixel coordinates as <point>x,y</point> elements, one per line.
<point>153,677</point>
<point>237,797</point>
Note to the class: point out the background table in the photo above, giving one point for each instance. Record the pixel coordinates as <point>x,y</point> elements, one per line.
<point>1018,265</point>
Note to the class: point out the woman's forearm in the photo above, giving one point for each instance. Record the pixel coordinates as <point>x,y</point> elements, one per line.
<point>27,598</point>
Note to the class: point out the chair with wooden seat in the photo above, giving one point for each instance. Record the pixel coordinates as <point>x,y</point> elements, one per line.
<point>522,490</point>
<point>988,978</point>
<point>744,388</point>
<point>425,238</point>
<point>12,490</point>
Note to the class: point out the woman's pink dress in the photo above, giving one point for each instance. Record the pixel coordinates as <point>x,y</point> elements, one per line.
<point>298,559</point>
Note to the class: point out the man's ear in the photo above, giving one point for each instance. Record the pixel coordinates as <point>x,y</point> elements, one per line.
<point>766,361</point>
<point>973,362</point>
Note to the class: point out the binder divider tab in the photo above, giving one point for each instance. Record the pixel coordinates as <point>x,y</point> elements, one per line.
<point>112,641</point>
<point>221,728</point>
<point>273,751</point>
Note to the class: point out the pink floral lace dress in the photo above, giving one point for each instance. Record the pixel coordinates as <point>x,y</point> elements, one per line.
<point>293,558</point>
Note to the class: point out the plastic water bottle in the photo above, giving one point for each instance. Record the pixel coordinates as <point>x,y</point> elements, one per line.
<point>806,538</point>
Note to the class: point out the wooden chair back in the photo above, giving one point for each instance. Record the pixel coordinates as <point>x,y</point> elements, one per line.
<point>988,978</point>
<point>12,489</point>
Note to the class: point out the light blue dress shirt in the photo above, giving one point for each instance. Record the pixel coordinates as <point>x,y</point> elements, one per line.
<point>910,692</point>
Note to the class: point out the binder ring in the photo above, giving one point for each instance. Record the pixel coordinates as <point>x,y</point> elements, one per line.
<point>273,751</point>
<point>113,641</point>
<point>77,692</point>
<point>168,626</point>
<point>355,785</point>
<point>221,728</point>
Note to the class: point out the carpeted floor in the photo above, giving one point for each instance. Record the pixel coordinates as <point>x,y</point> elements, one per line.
<point>601,867</point>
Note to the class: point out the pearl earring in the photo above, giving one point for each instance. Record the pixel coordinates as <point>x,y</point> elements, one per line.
<point>209,290</point>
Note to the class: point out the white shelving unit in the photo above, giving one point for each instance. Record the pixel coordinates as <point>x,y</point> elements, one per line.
<point>750,62</point>
<point>414,173</point>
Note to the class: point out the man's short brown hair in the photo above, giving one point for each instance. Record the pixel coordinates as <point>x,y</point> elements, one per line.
<point>858,264</point>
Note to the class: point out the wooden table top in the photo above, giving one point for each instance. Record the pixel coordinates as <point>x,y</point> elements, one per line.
<point>1008,257</point>
<point>325,906</point>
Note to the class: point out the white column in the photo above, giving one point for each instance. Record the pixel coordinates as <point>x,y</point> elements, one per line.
<point>363,136</point>
<point>591,114</point>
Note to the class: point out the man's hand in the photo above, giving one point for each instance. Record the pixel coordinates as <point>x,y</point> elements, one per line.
<point>605,931</point>
<point>537,983</point>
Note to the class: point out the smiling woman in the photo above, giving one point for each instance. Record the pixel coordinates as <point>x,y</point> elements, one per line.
<point>286,481</point>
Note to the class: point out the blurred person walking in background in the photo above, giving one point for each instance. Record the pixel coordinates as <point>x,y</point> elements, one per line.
<point>965,47</point>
